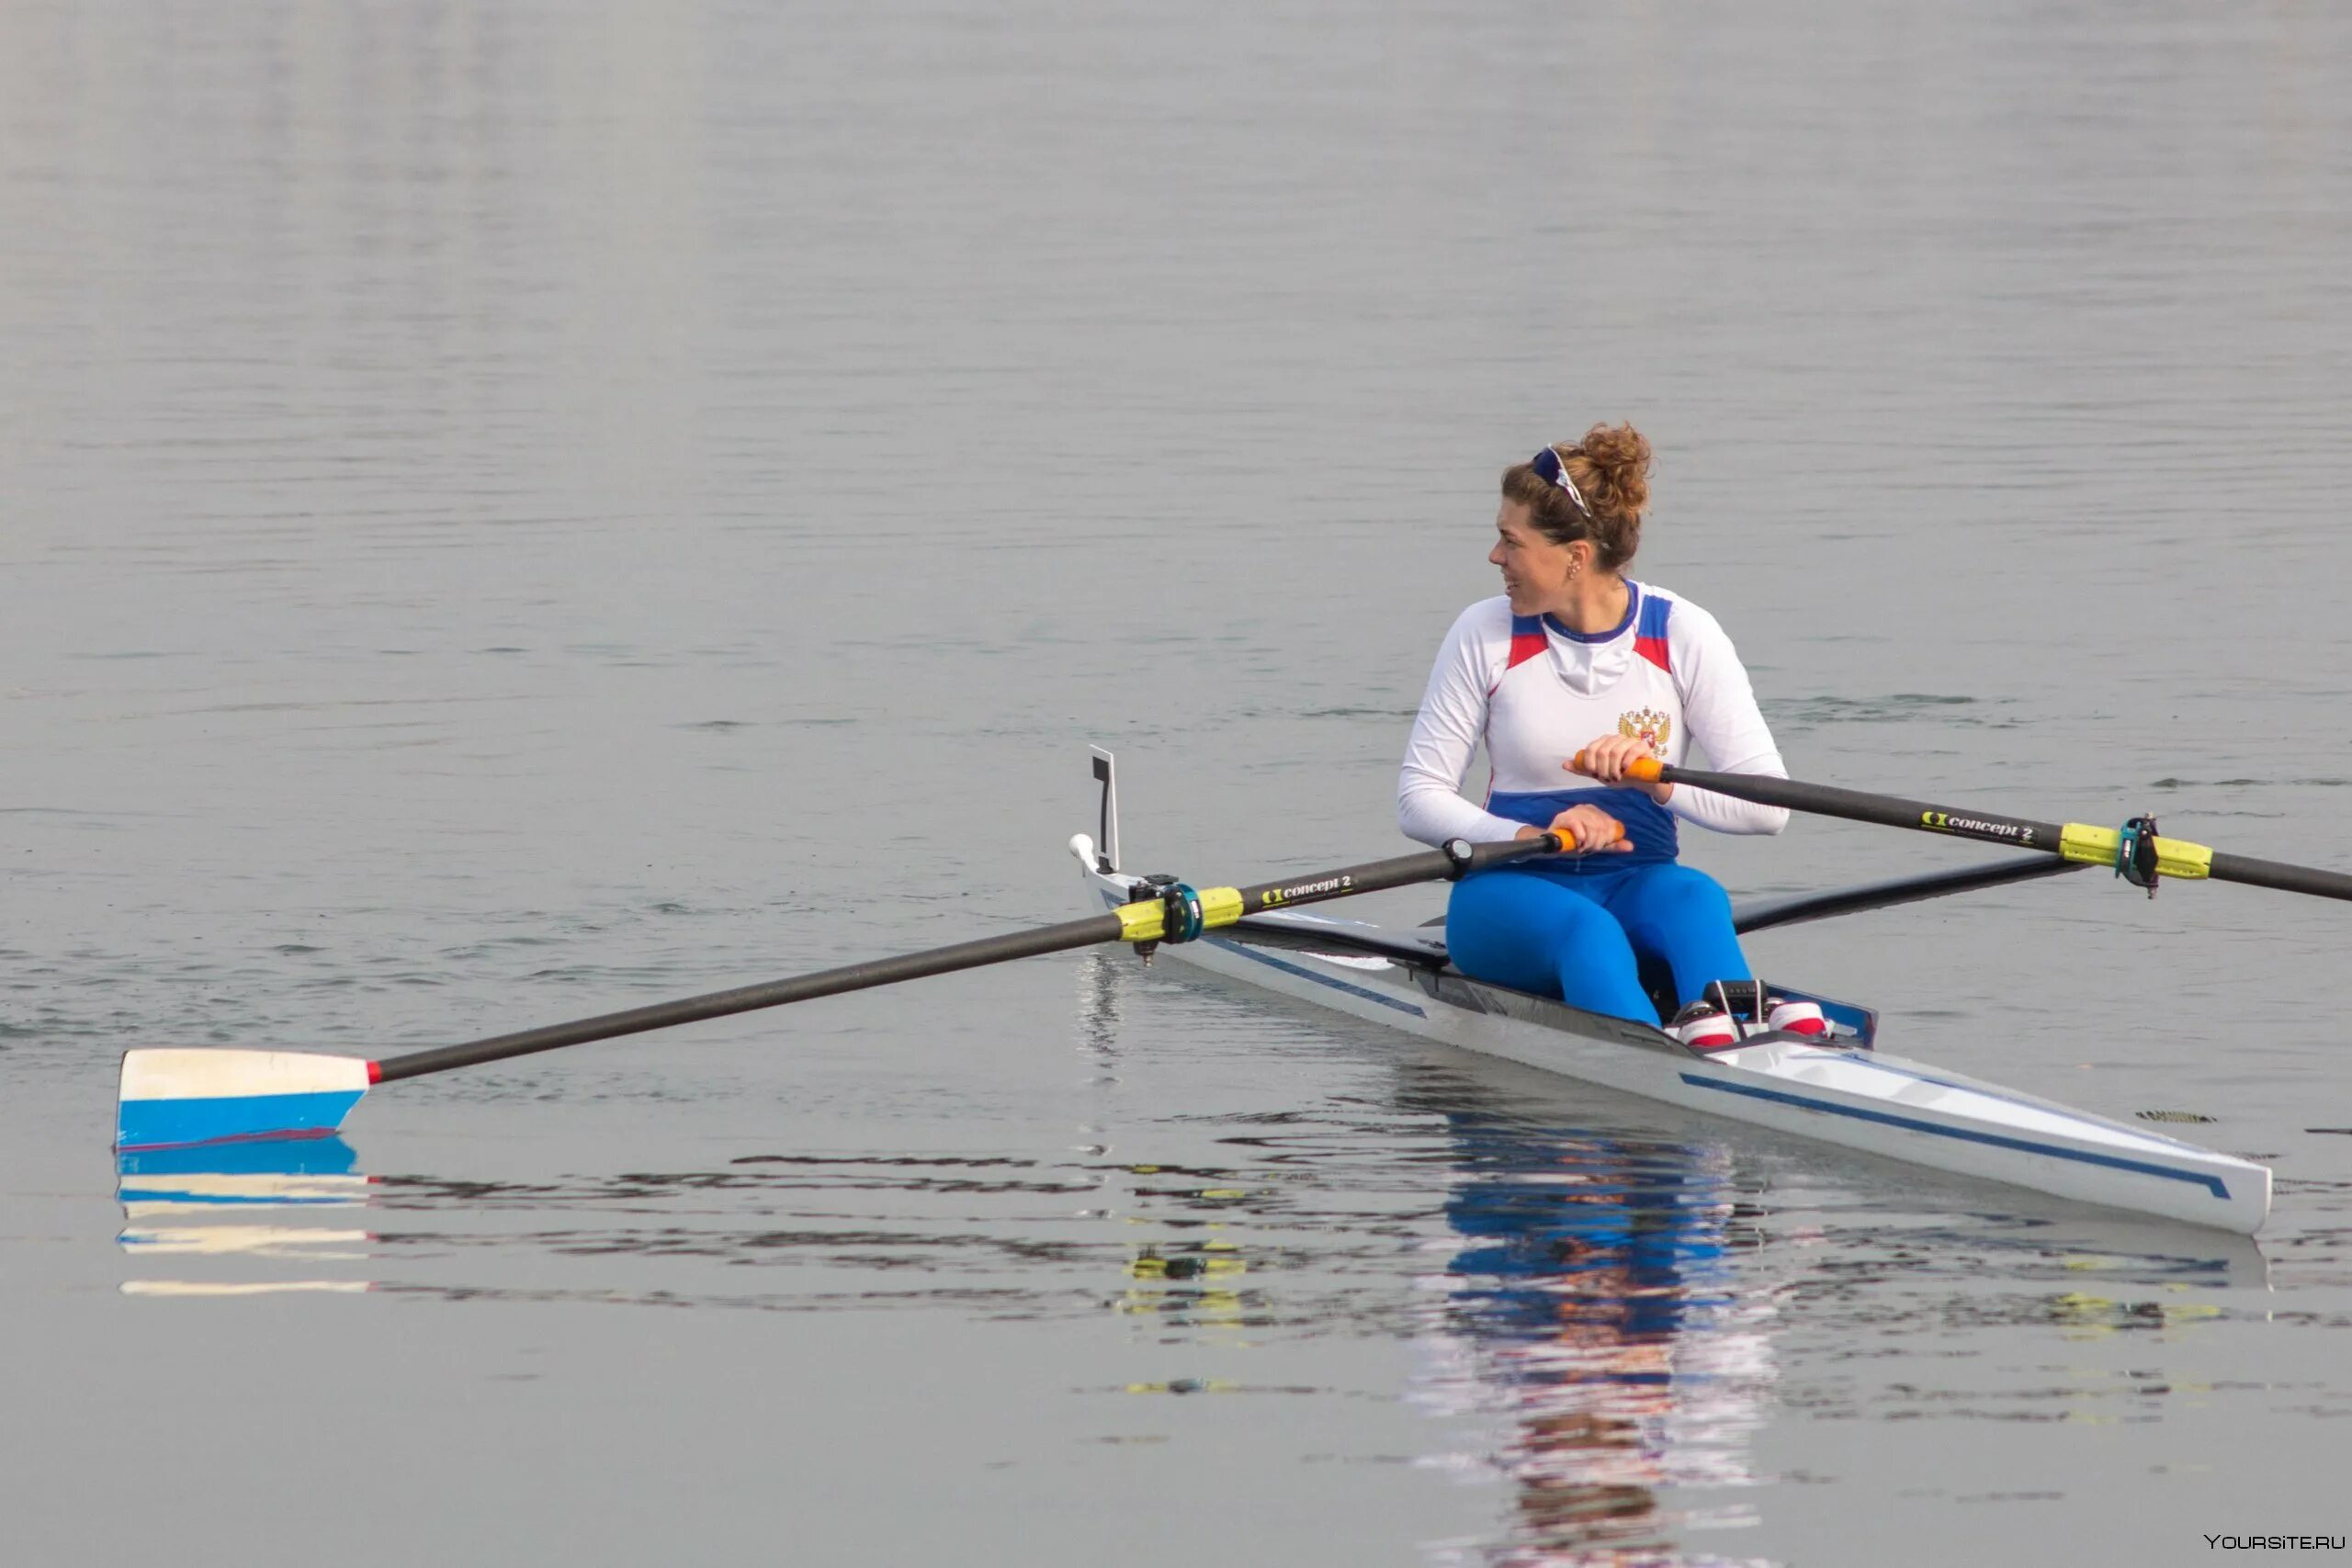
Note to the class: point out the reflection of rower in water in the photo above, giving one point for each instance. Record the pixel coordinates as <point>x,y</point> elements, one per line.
<point>1596,1304</point>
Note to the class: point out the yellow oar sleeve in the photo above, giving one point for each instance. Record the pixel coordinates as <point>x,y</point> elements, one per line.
<point>1219,906</point>
<point>1142,922</point>
<point>2098,846</point>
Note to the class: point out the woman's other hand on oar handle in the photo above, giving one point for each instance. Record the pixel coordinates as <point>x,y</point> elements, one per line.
<point>1584,829</point>
<point>1622,761</point>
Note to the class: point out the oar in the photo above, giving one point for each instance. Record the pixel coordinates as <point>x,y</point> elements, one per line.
<point>173,1097</point>
<point>1764,914</point>
<point>2141,855</point>
<point>1420,950</point>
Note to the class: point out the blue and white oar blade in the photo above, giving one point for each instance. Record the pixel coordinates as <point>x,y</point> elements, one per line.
<point>172,1099</point>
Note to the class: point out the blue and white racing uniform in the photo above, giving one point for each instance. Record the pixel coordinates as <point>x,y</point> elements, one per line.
<point>1531,693</point>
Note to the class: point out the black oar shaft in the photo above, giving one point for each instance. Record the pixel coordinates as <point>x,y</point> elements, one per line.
<point>2020,832</point>
<point>748,998</point>
<point>1374,878</point>
<point>1378,877</point>
<point>1828,800</point>
<point>1798,907</point>
<point>2278,873</point>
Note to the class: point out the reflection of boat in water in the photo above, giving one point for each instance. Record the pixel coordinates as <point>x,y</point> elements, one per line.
<point>1612,1294</point>
<point>1607,1322</point>
<point>251,1202</point>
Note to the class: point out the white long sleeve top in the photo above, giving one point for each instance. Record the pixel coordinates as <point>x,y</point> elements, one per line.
<point>1534,692</point>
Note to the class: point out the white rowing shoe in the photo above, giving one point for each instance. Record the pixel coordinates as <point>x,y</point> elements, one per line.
<point>1840,1090</point>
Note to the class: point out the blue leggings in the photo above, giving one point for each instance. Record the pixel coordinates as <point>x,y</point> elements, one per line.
<point>1582,938</point>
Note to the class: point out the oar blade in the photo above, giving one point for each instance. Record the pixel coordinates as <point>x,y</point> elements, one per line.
<point>174,1098</point>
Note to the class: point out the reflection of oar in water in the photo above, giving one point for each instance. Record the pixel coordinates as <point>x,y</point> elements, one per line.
<point>257,1202</point>
<point>2134,850</point>
<point>313,1172</point>
<point>171,1098</point>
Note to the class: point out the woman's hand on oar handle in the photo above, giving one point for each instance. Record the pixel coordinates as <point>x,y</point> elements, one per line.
<point>1623,761</point>
<point>1584,829</point>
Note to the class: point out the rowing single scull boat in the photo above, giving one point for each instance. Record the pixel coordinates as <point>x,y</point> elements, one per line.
<point>1843,1091</point>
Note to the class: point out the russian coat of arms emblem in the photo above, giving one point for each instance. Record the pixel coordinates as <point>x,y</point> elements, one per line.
<point>1646,724</point>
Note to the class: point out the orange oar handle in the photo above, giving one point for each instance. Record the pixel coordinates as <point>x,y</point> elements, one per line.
<point>1649,770</point>
<point>1566,847</point>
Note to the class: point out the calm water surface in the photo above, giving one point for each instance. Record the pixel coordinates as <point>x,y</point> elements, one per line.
<point>509,513</point>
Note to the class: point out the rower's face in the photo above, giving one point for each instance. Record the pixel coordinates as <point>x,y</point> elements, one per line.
<point>1535,570</point>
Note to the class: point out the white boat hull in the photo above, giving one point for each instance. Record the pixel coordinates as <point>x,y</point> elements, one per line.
<point>1841,1093</point>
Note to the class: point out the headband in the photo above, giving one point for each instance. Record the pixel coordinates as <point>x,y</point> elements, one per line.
<point>1547,465</point>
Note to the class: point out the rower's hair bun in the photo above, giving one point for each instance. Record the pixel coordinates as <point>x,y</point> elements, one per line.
<point>1610,470</point>
<point>1620,457</point>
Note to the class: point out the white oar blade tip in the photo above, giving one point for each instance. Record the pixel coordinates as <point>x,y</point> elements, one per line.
<point>171,1098</point>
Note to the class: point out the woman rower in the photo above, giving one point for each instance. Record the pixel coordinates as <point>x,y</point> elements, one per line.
<point>1578,658</point>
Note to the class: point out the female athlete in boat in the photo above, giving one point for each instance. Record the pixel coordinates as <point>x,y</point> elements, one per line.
<point>1576,656</point>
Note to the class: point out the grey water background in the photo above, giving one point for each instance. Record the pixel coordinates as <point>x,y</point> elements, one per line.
<point>507,513</point>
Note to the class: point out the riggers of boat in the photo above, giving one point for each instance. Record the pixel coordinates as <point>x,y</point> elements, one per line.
<point>1840,1089</point>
